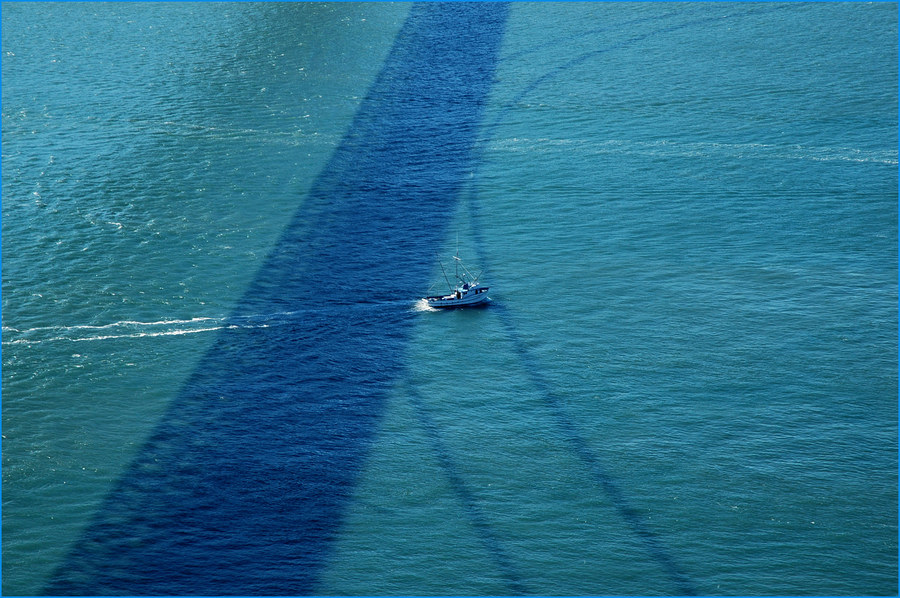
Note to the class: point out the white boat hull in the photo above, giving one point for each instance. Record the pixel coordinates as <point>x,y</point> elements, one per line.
<point>466,300</point>
<point>467,292</point>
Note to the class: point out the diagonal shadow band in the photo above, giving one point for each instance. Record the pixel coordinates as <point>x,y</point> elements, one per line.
<point>244,482</point>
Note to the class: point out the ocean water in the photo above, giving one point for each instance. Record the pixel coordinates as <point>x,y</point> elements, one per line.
<point>217,220</point>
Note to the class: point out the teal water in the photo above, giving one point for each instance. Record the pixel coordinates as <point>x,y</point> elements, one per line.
<point>686,381</point>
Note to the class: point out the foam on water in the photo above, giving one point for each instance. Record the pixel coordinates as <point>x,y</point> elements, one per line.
<point>676,148</point>
<point>687,382</point>
<point>308,395</point>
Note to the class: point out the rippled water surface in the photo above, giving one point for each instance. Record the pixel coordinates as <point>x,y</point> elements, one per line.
<point>217,220</point>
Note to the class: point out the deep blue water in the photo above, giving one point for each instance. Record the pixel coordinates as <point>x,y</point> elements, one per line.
<point>268,435</point>
<point>217,220</point>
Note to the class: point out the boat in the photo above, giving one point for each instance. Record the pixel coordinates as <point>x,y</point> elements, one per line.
<point>466,292</point>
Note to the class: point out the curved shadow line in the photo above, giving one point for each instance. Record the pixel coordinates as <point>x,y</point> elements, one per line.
<point>568,428</point>
<point>590,32</point>
<point>476,516</point>
<point>552,74</point>
<point>576,441</point>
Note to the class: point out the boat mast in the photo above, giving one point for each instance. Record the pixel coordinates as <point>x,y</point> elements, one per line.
<point>456,258</point>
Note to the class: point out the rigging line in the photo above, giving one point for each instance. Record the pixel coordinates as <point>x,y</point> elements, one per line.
<point>445,275</point>
<point>477,518</point>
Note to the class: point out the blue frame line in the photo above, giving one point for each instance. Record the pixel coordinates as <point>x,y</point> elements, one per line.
<point>244,483</point>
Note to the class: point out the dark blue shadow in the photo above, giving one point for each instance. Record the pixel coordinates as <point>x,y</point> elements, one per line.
<point>244,483</point>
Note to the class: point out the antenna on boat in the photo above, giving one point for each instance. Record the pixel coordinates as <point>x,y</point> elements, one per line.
<point>456,257</point>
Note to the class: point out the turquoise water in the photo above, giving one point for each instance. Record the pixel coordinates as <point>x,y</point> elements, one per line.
<point>686,381</point>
